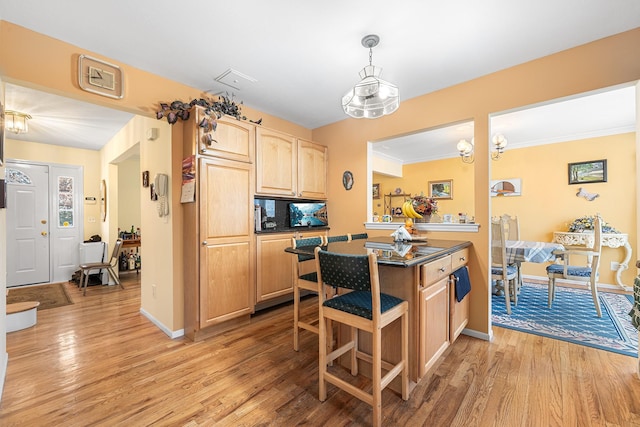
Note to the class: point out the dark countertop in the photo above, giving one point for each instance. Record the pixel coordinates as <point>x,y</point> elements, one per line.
<point>402,254</point>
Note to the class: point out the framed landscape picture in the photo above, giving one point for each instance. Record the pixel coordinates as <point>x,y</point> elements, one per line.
<point>588,172</point>
<point>441,189</point>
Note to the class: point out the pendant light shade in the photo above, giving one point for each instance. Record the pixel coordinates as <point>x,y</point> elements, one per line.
<point>372,97</point>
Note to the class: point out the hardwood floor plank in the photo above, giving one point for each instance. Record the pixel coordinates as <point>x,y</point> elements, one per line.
<point>100,362</point>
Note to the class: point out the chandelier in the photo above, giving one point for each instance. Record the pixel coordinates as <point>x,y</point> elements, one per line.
<point>372,97</point>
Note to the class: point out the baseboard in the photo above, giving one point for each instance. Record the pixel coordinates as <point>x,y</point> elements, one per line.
<point>171,334</point>
<point>3,373</point>
<point>477,334</point>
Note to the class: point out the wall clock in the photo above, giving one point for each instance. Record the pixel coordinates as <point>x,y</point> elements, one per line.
<point>100,77</point>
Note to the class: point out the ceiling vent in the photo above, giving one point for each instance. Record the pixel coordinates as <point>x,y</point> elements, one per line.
<point>235,79</point>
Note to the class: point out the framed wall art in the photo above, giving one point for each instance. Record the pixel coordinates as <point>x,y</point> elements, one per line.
<point>441,189</point>
<point>376,191</point>
<point>588,172</point>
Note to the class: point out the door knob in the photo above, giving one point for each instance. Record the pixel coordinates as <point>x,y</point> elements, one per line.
<point>44,233</point>
<point>204,243</point>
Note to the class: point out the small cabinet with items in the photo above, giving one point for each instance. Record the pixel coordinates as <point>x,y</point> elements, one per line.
<point>287,166</point>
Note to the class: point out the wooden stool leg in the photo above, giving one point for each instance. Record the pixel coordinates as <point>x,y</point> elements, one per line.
<point>296,317</point>
<point>376,377</point>
<point>322,356</point>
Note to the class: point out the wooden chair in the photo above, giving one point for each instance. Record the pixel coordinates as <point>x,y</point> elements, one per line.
<point>500,270</point>
<point>586,274</point>
<point>513,233</point>
<point>109,266</point>
<point>364,308</point>
<point>358,236</point>
<point>304,278</point>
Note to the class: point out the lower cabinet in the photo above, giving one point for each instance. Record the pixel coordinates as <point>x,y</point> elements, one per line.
<point>458,311</point>
<point>274,266</point>
<point>434,324</point>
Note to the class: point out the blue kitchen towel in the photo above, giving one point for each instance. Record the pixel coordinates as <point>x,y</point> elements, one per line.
<point>463,285</point>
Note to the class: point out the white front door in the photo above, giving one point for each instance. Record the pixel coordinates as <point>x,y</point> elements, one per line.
<point>27,224</point>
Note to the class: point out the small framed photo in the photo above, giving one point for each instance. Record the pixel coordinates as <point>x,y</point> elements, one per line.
<point>145,179</point>
<point>376,191</point>
<point>441,189</point>
<point>588,172</point>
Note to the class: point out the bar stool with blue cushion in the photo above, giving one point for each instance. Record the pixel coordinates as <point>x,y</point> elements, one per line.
<point>587,274</point>
<point>304,278</point>
<point>358,236</point>
<point>340,238</point>
<point>363,308</point>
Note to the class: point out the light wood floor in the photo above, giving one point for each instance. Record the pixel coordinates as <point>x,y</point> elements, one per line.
<point>99,362</point>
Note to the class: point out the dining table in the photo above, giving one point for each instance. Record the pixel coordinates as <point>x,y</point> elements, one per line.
<point>518,251</point>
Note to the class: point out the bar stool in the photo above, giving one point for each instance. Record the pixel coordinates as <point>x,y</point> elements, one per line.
<point>304,279</point>
<point>363,308</point>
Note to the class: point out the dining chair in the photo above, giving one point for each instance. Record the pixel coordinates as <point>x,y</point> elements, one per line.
<point>340,238</point>
<point>358,236</point>
<point>501,271</point>
<point>305,277</point>
<point>587,274</point>
<point>513,233</point>
<point>109,266</point>
<point>362,308</point>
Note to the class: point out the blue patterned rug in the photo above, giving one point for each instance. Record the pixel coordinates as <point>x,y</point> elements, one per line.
<point>572,317</point>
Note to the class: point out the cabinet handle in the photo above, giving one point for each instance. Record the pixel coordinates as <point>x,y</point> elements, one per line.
<point>463,258</point>
<point>443,269</point>
<point>204,243</point>
<point>203,150</point>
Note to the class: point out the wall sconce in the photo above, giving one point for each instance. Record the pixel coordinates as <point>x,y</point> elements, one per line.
<point>16,122</point>
<point>466,150</point>
<point>499,143</point>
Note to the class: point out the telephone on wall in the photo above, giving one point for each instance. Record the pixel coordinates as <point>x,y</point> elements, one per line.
<point>161,184</point>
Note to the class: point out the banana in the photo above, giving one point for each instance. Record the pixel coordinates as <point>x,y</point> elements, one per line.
<point>404,210</point>
<point>413,211</point>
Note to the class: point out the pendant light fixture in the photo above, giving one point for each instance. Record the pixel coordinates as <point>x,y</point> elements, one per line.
<point>372,97</point>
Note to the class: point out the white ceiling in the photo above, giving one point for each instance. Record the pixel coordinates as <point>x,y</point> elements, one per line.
<point>305,55</point>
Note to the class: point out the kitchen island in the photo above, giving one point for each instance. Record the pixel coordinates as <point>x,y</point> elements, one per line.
<point>419,272</point>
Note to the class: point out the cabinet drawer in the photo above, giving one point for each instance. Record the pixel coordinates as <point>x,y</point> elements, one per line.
<point>459,258</point>
<point>436,270</point>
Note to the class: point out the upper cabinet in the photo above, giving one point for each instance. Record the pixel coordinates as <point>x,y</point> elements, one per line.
<point>232,139</point>
<point>312,170</point>
<point>291,167</point>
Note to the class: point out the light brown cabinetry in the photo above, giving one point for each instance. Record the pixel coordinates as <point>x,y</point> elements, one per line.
<point>434,313</point>
<point>458,311</point>
<point>291,167</point>
<point>232,139</point>
<point>274,266</point>
<point>219,244</point>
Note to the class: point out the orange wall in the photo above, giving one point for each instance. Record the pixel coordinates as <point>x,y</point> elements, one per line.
<point>548,203</point>
<point>610,61</point>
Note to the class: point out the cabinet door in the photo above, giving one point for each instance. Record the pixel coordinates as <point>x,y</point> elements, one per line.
<point>232,139</point>
<point>276,163</point>
<point>312,170</point>
<point>274,267</point>
<point>227,251</point>
<point>434,324</point>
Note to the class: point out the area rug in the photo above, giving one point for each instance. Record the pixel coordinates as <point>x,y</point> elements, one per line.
<point>50,295</point>
<point>572,317</point>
